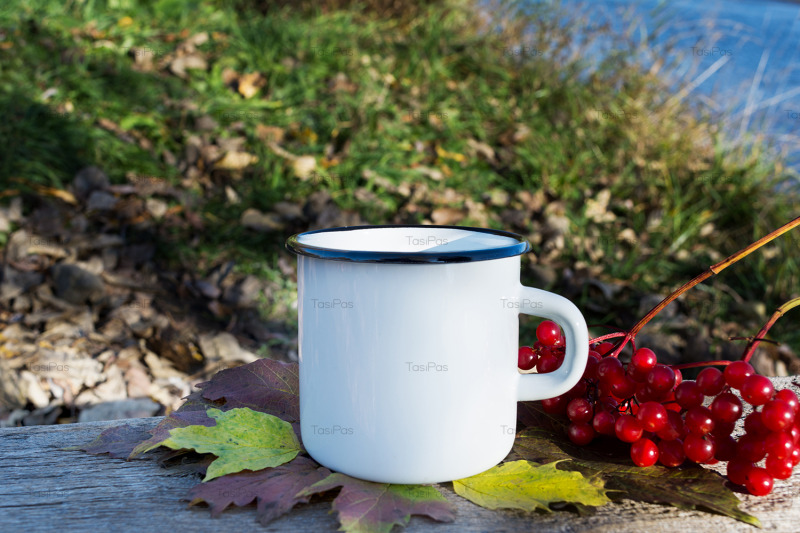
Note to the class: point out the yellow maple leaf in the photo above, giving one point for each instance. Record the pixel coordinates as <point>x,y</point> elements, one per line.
<point>444,154</point>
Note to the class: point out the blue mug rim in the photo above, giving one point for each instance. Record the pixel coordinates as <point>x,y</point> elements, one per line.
<point>520,247</point>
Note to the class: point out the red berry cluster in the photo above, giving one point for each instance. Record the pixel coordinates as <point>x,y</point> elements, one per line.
<point>668,420</point>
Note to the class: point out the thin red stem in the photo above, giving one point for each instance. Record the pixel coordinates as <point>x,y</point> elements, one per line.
<point>769,341</point>
<point>606,337</point>
<point>753,344</point>
<point>702,363</point>
<point>713,270</point>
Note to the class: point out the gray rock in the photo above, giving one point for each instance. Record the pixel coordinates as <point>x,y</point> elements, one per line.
<point>76,285</point>
<point>87,180</point>
<point>209,290</point>
<point>15,418</point>
<point>316,203</point>
<point>101,201</point>
<point>120,409</point>
<point>16,282</point>
<point>244,293</point>
<point>44,416</point>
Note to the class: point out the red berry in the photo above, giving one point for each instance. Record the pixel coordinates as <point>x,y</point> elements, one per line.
<point>794,432</point>
<point>795,457</point>
<point>736,372</point>
<point>526,358</point>
<point>688,394</point>
<point>661,379</point>
<point>603,423</point>
<point>699,420</point>
<point>580,410</point>
<point>754,425</point>
<point>723,429</point>
<point>642,362</point>
<point>670,453</point>
<point>750,448</point>
<point>644,394</point>
<point>548,362</point>
<point>698,449</point>
<point>604,347</point>
<point>623,386</point>
<point>777,415</point>
<point>678,376</point>
<point>673,429</point>
<point>628,429</point>
<point>726,447</point>
<point>548,332</point>
<point>779,445</point>
<point>580,434</point>
<point>578,391</point>
<point>726,407</point>
<point>555,406</point>
<point>644,452</point>
<point>757,390</point>
<point>788,396</point>
<point>609,368</point>
<point>779,468</point>
<point>758,482</point>
<point>652,416</point>
<point>737,470</point>
<point>711,381</point>
<point>608,404</point>
<point>591,365</point>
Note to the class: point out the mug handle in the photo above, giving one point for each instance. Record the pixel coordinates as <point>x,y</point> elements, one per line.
<point>565,314</point>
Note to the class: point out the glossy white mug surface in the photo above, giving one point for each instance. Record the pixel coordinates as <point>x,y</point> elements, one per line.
<point>408,349</point>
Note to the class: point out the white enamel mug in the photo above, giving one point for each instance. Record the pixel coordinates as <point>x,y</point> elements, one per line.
<point>408,349</point>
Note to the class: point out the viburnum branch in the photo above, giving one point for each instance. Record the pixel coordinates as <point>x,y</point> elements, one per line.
<point>607,336</point>
<point>779,312</point>
<point>712,271</point>
<point>700,364</point>
<point>770,341</point>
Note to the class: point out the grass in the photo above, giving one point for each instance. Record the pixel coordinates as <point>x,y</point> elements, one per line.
<point>425,90</point>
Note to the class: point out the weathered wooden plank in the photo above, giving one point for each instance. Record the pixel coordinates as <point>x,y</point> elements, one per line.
<point>44,488</point>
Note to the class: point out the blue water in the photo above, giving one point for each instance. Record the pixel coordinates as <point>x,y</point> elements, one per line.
<point>741,58</point>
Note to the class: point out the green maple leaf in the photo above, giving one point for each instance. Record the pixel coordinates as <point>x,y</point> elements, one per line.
<point>527,486</point>
<point>242,439</point>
